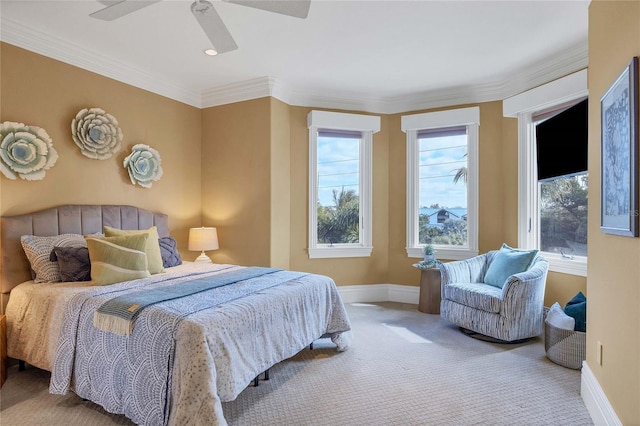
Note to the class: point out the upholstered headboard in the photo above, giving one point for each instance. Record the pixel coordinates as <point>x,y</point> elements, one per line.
<point>67,219</point>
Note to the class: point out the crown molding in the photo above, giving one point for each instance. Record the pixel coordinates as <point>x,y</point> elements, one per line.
<point>504,86</point>
<point>237,92</point>
<point>65,51</point>
<point>507,85</point>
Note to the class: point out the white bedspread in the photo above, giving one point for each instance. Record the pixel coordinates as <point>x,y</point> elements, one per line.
<point>186,356</point>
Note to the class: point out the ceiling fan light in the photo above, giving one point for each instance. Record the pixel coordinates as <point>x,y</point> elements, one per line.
<point>201,6</point>
<point>210,52</point>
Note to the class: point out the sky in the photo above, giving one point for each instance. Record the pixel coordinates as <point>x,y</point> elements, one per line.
<point>337,167</point>
<point>440,158</point>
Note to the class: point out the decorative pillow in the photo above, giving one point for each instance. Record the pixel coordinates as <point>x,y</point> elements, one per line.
<point>557,318</point>
<point>38,251</point>
<point>73,262</point>
<point>169,251</point>
<point>508,261</point>
<point>577,308</point>
<point>117,259</point>
<point>154,258</point>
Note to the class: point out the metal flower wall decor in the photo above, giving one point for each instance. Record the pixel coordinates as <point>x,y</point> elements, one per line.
<point>96,133</point>
<point>25,151</point>
<point>143,165</point>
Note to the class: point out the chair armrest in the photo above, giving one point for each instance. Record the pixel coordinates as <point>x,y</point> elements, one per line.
<point>523,293</point>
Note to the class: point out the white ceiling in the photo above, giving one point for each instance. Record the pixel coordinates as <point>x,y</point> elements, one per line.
<point>380,56</point>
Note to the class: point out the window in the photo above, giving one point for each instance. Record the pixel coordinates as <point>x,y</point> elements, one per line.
<point>562,180</point>
<point>340,157</point>
<point>442,182</point>
<point>552,201</point>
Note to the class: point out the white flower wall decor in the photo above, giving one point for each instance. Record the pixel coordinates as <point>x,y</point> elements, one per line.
<point>25,151</point>
<point>144,165</point>
<point>96,133</point>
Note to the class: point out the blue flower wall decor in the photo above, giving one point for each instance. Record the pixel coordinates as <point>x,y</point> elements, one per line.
<point>96,133</point>
<point>143,165</point>
<point>25,151</point>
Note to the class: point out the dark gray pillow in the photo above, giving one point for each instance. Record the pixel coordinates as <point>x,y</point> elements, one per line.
<point>73,262</point>
<point>169,252</point>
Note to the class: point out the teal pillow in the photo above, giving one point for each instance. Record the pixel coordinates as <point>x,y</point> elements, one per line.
<point>577,308</point>
<point>578,298</point>
<point>508,261</point>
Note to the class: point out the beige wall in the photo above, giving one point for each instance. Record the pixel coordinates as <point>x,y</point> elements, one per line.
<point>236,180</point>
<point>280,184</point>
<point>613,314</point>
<point>46,93</point>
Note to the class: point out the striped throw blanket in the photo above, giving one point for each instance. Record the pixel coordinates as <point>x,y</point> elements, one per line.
<point>119,314</point>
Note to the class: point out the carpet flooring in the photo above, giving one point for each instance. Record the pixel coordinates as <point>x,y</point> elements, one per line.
<point>404,368</point>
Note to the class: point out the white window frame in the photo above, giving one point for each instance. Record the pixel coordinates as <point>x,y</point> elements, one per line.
<point>367,125</point>
<point>523,106</point>
<point>411,125</point>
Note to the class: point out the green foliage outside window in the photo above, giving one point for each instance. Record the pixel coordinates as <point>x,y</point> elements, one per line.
<point>563,215</point>
<point>340,222</point>
<point>452,232</point>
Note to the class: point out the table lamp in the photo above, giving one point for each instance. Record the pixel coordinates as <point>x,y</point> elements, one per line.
<point>203,239</point>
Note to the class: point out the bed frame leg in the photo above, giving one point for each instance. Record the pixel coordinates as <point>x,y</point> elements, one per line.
<point>311,346</point>
<point>256,381</point>
<point>21,365</point>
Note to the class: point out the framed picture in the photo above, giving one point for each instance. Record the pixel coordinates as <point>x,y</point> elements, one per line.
<point>619,154</point>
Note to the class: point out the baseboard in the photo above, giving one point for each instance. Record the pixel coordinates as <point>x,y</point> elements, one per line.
<point>595,400</point>
<point>379,293</point>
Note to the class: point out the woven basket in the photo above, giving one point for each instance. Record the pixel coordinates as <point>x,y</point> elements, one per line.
<point>565,347</point>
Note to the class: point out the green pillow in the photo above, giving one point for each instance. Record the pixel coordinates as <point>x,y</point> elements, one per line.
<point>508,261</point>
<point>117,259</point>
<point>152,249</point>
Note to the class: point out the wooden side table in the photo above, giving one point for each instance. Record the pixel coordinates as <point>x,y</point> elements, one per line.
<point>429,301</point>
<point>3,349</point>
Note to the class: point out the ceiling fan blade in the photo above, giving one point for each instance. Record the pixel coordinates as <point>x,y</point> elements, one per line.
<point>296,8</point>
<point>213,26</point>
<point>121,8</point>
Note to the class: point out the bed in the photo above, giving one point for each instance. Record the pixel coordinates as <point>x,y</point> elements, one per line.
<point>180,356</point>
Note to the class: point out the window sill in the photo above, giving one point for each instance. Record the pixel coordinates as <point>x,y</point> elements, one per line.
<point>336,251</point>
<point>557,263</point>
<point>446,254</point>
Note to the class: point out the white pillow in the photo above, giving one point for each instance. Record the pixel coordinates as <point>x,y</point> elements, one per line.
<point>557,318</point>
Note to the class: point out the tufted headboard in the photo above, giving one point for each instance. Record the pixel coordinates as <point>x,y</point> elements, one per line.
<point>67,219</point>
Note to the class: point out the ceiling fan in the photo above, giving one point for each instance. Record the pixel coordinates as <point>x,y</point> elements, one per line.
<point>208,18</point>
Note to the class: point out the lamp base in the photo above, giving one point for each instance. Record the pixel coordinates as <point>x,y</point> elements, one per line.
<point>203,258</point>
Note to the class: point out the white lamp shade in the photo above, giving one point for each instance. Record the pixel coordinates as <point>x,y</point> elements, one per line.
<point>202,239</point>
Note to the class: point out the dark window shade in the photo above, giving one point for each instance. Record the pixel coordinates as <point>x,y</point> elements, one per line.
<point>439,133</point>
<point>342,134</point>
<point>561,143</point>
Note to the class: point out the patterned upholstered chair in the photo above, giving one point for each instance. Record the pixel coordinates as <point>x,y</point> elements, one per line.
<point>510,313</point>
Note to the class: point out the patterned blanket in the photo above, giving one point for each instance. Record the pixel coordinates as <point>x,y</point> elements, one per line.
<point>186,355</point>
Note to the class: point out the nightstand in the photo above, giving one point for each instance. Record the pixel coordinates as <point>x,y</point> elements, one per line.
<point>429,301</point>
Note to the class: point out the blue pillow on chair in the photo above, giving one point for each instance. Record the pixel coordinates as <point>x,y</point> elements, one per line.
<point>508,261</point>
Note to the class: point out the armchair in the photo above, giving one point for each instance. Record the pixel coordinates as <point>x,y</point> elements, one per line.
<point>510,313</point>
